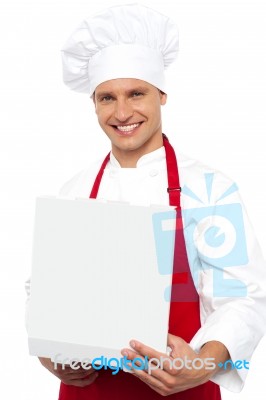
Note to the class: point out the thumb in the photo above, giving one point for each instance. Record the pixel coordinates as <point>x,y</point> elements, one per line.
<point>176,345</point>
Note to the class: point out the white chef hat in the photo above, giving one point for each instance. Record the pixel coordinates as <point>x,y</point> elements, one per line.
<point>127,41</point>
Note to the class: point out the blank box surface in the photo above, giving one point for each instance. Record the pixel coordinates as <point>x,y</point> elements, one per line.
<point>95,279</point>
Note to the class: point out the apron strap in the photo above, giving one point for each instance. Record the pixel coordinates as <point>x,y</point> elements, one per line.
<point>96,185</point>
<point>174,188</point>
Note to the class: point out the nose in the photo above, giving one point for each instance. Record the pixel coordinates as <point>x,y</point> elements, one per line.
<point>123,110</point>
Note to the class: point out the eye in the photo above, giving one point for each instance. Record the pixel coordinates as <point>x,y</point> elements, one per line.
<point>106,99</point>
<point>137,94</point>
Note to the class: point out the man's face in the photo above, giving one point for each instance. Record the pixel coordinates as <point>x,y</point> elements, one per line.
<point>129,112</point>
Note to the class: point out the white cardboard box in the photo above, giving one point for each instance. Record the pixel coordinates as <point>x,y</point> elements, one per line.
<point>95,280</point>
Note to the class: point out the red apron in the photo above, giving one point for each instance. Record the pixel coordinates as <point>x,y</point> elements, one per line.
<point>184,320</point>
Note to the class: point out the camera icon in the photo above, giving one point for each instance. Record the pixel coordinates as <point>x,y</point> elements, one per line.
<point>218,234</point>
<point>215,239</point>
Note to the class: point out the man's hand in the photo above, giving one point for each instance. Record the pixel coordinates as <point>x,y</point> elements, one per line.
<point>69,376</point>
<point>168,380</point>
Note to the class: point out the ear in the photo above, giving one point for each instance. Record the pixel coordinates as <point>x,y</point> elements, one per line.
<point>163,98</point>
<point>94,101</point>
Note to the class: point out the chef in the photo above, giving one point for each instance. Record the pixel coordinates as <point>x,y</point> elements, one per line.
<point>118,57</point>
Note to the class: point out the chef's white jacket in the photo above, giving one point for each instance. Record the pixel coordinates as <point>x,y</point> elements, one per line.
<point>238,322</point>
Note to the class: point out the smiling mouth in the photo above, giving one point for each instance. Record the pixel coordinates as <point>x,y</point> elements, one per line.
<point>127,128</point>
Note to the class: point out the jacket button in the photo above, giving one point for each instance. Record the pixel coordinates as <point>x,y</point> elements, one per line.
<point>153,172</point>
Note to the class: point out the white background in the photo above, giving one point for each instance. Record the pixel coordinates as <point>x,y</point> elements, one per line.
<point>216,112</point>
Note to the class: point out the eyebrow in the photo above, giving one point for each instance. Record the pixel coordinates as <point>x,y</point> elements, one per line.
<point>103,94</point>
<point>135,89</point>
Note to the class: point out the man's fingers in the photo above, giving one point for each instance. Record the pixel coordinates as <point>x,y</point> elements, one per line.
<point>76,374</point>
<point>175,342</point>
<point>81,382</point>
<point>157,383</point>
<point>156,358</point>
<point>72,374</point>
<point>153,362</point>
<point>144,350</point>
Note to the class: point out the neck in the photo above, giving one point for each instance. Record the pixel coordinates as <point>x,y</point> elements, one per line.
<point>129,158</point>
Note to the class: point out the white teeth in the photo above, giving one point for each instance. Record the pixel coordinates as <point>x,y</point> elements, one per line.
<point>127,128</point>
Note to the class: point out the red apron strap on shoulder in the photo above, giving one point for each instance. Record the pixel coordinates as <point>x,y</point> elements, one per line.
<point>174,188</point>
<point>97,182</point>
